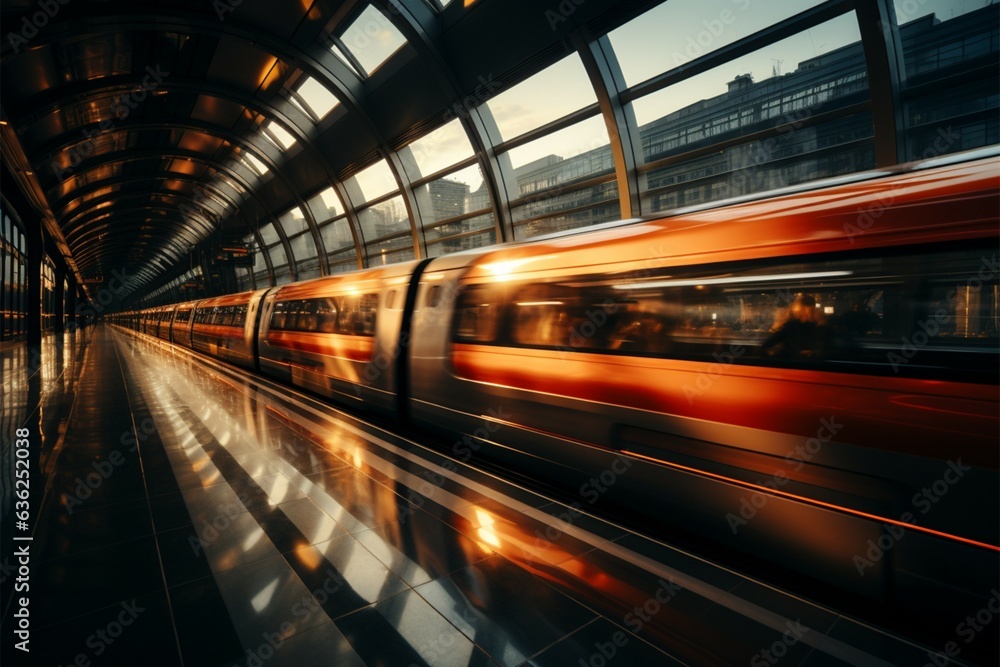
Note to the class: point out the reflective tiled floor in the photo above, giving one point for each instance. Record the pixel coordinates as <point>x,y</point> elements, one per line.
<point>200,516</point>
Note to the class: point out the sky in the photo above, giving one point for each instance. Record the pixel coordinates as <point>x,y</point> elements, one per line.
<point>670,35</point>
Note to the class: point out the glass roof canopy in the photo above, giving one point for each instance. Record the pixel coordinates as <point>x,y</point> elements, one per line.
<point>347,139</point>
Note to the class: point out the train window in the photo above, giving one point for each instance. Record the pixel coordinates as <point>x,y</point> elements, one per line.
<point>477,315</point>
<point>859,313</point>
<point>354,315</point>
<point>239,316</point>
<point>279,315</point>
<point>434,296</point>
<point>326,315</point>
<point>357,315</point>
<point>183,316</point>
<point>291,315</point>
<point>307,320</point>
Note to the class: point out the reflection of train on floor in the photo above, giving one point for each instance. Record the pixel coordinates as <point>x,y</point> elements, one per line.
<point>810,379</point>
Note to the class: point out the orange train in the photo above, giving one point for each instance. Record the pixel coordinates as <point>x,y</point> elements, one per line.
<point>808,377</point>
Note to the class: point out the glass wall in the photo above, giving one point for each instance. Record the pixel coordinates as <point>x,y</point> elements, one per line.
<point>335,230</point>
<point>554,152</point>
<point>688,103</point>
<point>950,96</point>
<point>383,221</point>
<point>13,265</point>
<point>791,111</point>
<point>452,195</point>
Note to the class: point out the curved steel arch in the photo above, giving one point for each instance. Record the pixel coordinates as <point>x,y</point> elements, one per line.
<point>312,58</point>
<point>84,190</point>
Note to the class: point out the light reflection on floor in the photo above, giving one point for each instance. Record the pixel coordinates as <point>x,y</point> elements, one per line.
<point>286,530</point>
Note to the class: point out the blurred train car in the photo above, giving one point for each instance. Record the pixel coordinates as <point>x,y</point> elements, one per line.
<point>799,378</point>
<point>777,376</point>
<point>339,336</point>
<point>225,326</point>
<point>180,330</point>
<point>165,315</point>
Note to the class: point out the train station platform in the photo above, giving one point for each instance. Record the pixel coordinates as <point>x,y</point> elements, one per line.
<point>195,514</point>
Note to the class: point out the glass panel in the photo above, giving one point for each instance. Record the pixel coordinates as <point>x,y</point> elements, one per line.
<point>317,97</point>
<point>480,240</point>
<point>337,235</point>
<point>344,59</point>
<point>374,181</point>
<point>942,10</point>
<point>372,39</point>
<point>684,117</point>
<point>571,220</point>
<point>582,150</point>
<point>256,164</point>
<point>284,138</point>
<point>677,32</point>
<point>309,268</point>
<point>277,255</point>
<point>326,205</point>
<point>268,234</point>
<point>460,227</point>
<point>942,45</point>
<point>293,222</point>
<point>436,151</point>
<point>391,251</point>
<point>453,195</point>
<point>303,249</point>
<point>820,151</point>
<point>343,262</point>
<point>715,102</point>
<point>384,219</point>
<point>552,93</point>
<point>294,99</point>
<point>605,192</point>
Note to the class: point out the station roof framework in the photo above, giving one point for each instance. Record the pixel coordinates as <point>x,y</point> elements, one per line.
<point>330,135</point>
